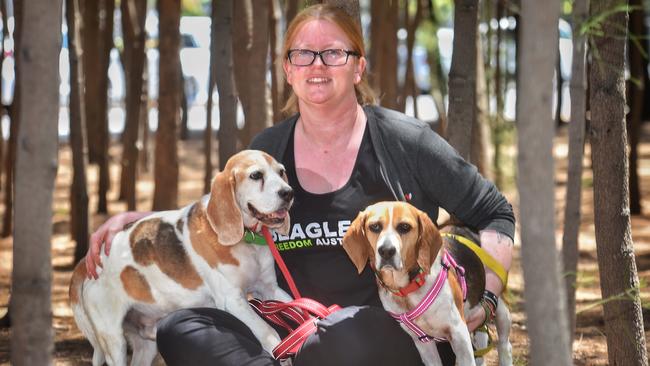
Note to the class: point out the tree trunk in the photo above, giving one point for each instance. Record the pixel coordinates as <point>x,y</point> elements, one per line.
<point>481,149</point>
<point>106,45</point>
<point>208,133</point>
<point>258,117</point>
<point>378,9</point>
<point>3,108</point>
<point>144,121</point>
<point>576,154</point>
<point>36,163</point>
<point>637,48</point>
<point>133,19</point>
<point>166,163</point>
<point>462,77</point>
<point>225,82</point>
<point>619,282</point>
<point>289,14</point>
<point>544,290</point>
<point>79,189</point>
<point>10,158</point>
<point>437,77</point>
<point>278,83</point>
<point>92,71</point>
<point>409,77</point>
<point>242,36</point>
<point>387,56</point>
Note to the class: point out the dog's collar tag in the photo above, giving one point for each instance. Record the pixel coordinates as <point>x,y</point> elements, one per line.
<point>253,238</point>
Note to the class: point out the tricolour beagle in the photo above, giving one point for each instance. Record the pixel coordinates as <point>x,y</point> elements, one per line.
<point>194,256</point>
<point>426,283</point>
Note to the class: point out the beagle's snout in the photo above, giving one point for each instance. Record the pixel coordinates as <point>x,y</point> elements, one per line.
<point>286,194</point>
<point>387,251</point>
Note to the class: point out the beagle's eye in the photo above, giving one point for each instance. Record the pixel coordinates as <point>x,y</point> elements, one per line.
<point>403,228</point>
<point>375,227</point>
<point>256,175</point>
<point>281,172</point>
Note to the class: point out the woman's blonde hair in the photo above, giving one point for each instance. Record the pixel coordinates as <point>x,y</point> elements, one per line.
<point>331,13</point>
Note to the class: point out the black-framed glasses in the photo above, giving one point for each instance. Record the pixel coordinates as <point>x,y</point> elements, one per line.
<point>332,57</point>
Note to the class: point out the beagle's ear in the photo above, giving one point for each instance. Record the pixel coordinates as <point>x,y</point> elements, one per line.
<point>223,212</point>
<point>430,242</point>
<point>356,244</point>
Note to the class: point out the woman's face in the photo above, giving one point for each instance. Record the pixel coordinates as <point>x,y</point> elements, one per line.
<point>318,84</point>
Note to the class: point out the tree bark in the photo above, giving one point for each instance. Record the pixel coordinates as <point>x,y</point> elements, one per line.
<point>79,188</point>
<point>92,71</point>
<point>544,290</point>
<point>278,83</point>
<point>133,19</point>
<point>351,7</point>
<point>225,82</point>
<point>462,77</point>
<point>36,164</point>
<point>208,133</point>
<point>387,71</point>
<point>619,282</point>
<point>637,47</point>
<point>481,149</point>
<point>166,160</point>
<point>412,24</point>
<point>576,154</point>
<point>10,158</point>
<point>106,45</point>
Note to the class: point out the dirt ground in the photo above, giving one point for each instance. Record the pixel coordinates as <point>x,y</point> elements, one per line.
<point>590,344</point>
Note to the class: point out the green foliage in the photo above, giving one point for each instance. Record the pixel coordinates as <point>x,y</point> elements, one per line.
<point>194,7</point>
<point>444,10</point>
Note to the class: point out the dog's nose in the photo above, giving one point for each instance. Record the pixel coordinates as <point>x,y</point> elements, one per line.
<point>386,251</point>
<point>286,194</point>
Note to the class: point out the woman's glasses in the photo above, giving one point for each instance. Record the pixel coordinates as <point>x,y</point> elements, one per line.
<point>300,57</point>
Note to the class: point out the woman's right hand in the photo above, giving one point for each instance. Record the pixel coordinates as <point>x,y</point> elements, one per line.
<point>104,235</point>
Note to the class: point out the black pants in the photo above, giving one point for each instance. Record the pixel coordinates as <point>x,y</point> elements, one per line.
<point>354,336</point>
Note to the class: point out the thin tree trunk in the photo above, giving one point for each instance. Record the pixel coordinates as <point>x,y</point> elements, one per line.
<point>481,149</point>
<point>437,77</point>
<point>290,13</point>
<point>78,189</point>
<point>10,157</point>
<point>626,344</point>
<point>462,77</point>
<point>3,108</point>
<point>409,77</point>
<point>258,117</point>
<point>387,75</point>
<point>144,121</point>
<point>225,81</point>
<point>36,163</point>
<point>277,80</point>
<point>166,160</point>
<point>242,36</point>
<point>637,47</point>
<point>378,9</point>
<point>208,133</point>
<point>92,71</point>
<point>133,19</point>
<point>544,291</point>
<point>106,44</point>
<point>576,155</point>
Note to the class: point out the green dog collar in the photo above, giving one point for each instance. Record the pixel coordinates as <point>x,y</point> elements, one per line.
<point>254,238</point>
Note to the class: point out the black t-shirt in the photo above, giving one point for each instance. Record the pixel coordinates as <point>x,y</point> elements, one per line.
<point>312,251</point>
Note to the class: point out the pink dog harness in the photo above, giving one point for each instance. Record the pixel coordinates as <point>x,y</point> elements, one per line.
<point>408,317</point>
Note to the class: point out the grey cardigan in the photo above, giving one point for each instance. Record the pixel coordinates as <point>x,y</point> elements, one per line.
<point>420,167</point>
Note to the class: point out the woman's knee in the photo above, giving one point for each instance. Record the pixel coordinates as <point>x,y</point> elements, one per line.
<point>358,336</point>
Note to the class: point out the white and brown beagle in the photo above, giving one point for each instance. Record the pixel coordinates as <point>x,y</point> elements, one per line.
<point>194,256</point>
<point>421,277</point>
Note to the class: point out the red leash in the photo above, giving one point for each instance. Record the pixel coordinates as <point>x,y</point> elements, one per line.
<point>302,311</point>
<point>280,262</point>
